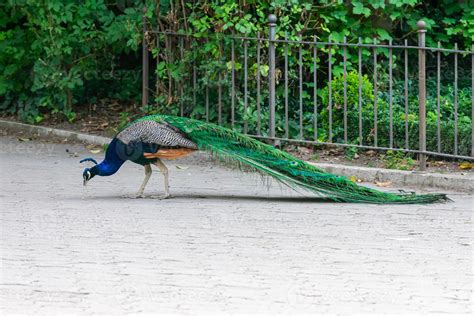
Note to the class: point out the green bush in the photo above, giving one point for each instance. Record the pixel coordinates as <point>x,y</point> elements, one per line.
<point>49,49</point>
<point>53,53</point>
<point>56,56</point>
<point>397,160</point>
<point>398,116</point>
<point>352,107</point>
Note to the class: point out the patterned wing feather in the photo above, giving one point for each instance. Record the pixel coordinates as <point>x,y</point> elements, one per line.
<point>153,132</point>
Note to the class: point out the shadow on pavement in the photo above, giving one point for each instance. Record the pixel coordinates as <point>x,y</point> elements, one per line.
<point>194,196</point>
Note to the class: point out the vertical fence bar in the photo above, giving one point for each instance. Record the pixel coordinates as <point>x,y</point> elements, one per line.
<point>345,90</point>
<point>194,83</point>
<point>287,132</point>
<point>219,100</point>
<point>375,96</point>
<point>144,60</point>
<point>157,85</point>
<point>300,76</point>
<point>360,90</point>
<point>232,104</point>
<point>406,95</point>
<point>246,92</point>
<point>169,60</point>
<point>219,89</point>
<point>181,88</point>
<point>438,97</point>
<point>422,92</point>
<point>472,100</point>
<point>207,103</point>
<point>271,73</point>
<point>330,87</point>
<point>258,83</point>
<point>207,91</point>
<point>390,93</point>
<point>456,100</point>
<point>315,88</point>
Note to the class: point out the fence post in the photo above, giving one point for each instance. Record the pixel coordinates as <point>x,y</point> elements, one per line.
<point>144,60</point>
<point>271,73</point>
<point>421,25</point>
<point>472,101</point>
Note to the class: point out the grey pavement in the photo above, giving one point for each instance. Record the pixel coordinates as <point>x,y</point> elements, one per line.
<point>226,243</point>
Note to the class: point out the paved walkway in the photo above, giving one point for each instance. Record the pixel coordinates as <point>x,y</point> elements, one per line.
<point>224,243</point>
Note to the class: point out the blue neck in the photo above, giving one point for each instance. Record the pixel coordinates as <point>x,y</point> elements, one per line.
<point>112,161</point>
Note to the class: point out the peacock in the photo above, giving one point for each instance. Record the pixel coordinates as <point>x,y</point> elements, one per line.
<point>152,138</point>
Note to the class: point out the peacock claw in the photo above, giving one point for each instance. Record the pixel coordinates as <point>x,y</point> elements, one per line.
<point>133,196</point>
<point>143,196</point>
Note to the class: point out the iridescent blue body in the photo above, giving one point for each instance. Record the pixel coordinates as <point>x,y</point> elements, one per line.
<point>118,153</point>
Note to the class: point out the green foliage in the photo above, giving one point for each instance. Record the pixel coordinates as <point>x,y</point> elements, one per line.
<point>352,110</point>
<point>350,152</point>
<point>124,120</point>
<point>54,51</point>
<point>49,49</point>
<point>398,160</point>
<point>56,56</point>
<point>446,119</point>
<point>384,21</point>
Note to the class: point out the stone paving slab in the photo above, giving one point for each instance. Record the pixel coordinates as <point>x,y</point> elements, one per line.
<point>224,244</point>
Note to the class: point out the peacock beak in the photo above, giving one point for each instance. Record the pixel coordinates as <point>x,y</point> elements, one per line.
<point>86,176</point>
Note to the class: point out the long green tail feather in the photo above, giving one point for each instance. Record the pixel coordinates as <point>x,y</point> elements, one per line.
<point>283,167</point>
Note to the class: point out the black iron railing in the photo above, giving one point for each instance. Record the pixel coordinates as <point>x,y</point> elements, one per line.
<point>270,55</point>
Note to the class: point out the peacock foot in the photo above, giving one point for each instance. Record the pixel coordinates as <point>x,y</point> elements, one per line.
<point>160,197</point>
<point>134,196</point>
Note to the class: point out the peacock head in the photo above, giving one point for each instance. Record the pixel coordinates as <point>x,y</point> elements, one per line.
<point>89,173</point>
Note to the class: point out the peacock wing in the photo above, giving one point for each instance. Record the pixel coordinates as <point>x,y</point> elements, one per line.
<point>152,132</point>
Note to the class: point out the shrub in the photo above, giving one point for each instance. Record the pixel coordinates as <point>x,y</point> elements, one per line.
<point>352,107</point>
<point>398,116</point>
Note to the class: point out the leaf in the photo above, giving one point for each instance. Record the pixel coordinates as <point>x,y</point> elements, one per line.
<point>360,9</point>
<point>264,70</point>
<point>95,151</point>
<point>383,34</point>
<point>395,15</point>
<point>383,184</point>
<point>466,165</point>
<point>377,4</point>
<point>449,21</point>
<point>22,139</point>
<point>181,167</point>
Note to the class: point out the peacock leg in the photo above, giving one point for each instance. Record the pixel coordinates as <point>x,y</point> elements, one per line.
<point>164,171</point>
<point>145,181</point>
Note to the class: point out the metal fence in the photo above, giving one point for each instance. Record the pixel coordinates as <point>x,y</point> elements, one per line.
<point>242,75</point>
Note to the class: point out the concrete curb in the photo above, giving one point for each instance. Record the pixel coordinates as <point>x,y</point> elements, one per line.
<point>48,131</point>
<point>416,179</point>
